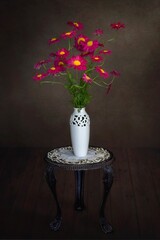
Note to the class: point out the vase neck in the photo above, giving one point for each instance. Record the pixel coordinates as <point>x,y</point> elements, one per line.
<point>79,110</point>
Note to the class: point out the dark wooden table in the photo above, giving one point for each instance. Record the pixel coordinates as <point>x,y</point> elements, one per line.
<point>63,158</point>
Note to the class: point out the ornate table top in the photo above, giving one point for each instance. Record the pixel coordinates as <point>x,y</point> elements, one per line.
<point>63,157</point>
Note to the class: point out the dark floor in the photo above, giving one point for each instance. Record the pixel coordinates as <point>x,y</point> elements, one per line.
<point>27,206</point>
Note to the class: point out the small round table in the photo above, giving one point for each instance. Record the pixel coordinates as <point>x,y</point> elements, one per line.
<point>64,158</point>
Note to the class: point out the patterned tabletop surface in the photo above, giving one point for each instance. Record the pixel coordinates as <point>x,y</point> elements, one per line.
<point>64,157</point>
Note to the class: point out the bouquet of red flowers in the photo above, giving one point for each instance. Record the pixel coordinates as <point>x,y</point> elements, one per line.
<point>79,65</point>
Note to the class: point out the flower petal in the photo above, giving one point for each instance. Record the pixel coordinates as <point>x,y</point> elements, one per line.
<point>77,62</point>
<point>117,25</point>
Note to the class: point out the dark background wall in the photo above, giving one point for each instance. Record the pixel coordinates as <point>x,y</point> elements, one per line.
<point>34,115</point>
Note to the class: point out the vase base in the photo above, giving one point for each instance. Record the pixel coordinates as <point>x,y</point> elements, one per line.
<point>80,155</point>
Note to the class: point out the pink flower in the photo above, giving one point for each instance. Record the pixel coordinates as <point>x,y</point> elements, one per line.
<point>41,63</point>
<point>105,51</point>
<point>86,78</point>
<point>62,52</point>
<point>77,62</point>
<point>87,54</point>
<point>76,25</point>
<point>102,73</point>
<point>70,34</point>
<point>90,46</point>
<point>108,88</point>
<point>101,44</point>
<point>52,54</point>
<point>117,25</point>
<point>40,76</point>
<point>115,73</point>
<point>79,40</point>
<point>61,63</point>
<point>96,58</point>
<point>98,32</point>
<point>53,40</point>
<point>54,70</point>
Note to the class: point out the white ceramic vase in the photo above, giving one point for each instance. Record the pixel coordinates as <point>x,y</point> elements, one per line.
<point>80,132</point>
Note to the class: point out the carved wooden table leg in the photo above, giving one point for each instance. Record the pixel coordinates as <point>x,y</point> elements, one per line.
<point>51,180</point>
<point>107,180</point>
<point>79,202</point>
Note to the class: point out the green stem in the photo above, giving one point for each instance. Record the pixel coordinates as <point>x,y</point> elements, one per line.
<point>62,73</point>
<point>94,78</point>
<point>69,44</point>
<point>98,84</point>
<point>44,67</point>
<point>77,86</point>
<point>107,84</point>
<point>111,39</point>
<point>114,36</point>
<point>89,70</point>
<point>101,63</point>
<point>49,82</point>
<point>77,75</point>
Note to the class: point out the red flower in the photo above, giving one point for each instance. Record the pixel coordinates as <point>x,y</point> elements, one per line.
<point>83,54</point>
<point>54,70</point>
<point>41,63</point>
<point>115,73</point>
<point>105,51</point>
<point>102,73</point>
<point>62,52</point>
<point>86,78</point>
<point>53,40</point>
<point>79,40</point>
<point>40,76</point>
<point>108,88</point>
<point>96,58</point>
<point>101,44</point>
<point>117,25</point>
<point>77,62</point>
<point>52,54</point>
<point>70,34</point>
<point>90,46</point>
<point>76,25</point>
<point>98,32</point>
<point>61,63</point>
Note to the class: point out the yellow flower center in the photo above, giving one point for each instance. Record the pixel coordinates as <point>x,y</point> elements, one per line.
<point>76,24</point>
<point>96,58</point>
<point>61,63</point>
<point>105,51</point>
<point>89,43</point>
<point>102,70</point>
<point>88,78</point>
<point>39,75</point>
<point>53,39</point>
<point>62,53</point>
<point>53,68</point>
<point>81,39</point>
<point>77,63</point>
<point>68,33</point>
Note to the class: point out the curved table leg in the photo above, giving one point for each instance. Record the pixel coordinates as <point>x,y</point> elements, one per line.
<point>79,202</point>
<point>107,180</point>
<point>51,180</point>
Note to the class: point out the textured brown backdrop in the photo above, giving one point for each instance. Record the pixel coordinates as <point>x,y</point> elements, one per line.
<point>33,115</point>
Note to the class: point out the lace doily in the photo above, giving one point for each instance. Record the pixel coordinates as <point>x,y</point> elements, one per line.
<point>65,155</point>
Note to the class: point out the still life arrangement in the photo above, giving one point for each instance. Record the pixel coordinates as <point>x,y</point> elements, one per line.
<point>78,65</point>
